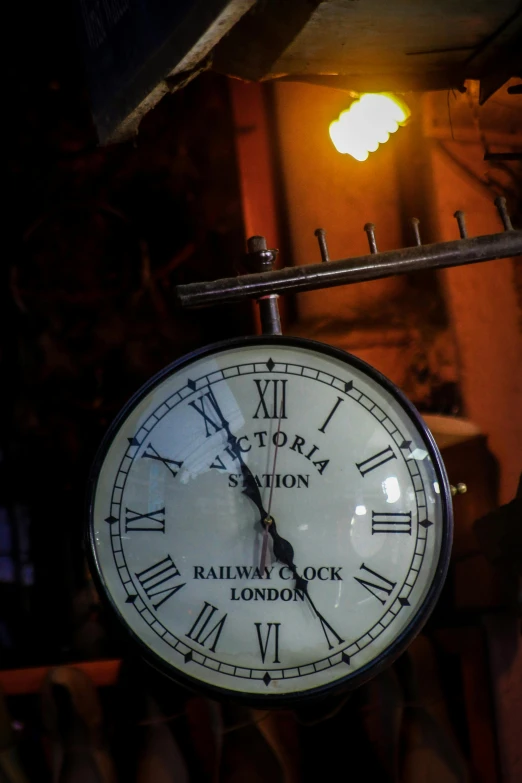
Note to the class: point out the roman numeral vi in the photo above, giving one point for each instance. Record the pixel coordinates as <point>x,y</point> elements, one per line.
<point>265,642</point>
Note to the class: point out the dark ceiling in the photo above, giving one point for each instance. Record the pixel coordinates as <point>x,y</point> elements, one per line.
<point>136,52</point>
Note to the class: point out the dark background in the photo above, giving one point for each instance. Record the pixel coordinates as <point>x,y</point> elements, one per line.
<point>97,240</point>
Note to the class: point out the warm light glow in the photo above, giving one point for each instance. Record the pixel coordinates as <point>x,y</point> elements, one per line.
<point>367,123</point>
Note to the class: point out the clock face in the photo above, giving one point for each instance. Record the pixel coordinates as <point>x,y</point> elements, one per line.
<point>280,429</point>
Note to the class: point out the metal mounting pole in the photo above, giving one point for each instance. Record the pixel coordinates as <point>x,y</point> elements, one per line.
<point>260,259</point>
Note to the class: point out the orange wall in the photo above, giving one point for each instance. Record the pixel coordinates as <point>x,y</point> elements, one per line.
<point>334,192</point>
<point>485,314</point>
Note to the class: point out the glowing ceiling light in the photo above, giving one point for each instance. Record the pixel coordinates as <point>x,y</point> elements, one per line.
<point>367,123</point>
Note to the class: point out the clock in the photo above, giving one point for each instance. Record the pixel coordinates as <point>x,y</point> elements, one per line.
<point>270,520</point>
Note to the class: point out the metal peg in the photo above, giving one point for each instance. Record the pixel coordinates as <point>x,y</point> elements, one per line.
<point>370,231</point>
<point>320,233</point>
<point>415,222</point>
<point>500,203</point>
<point>461,220</point>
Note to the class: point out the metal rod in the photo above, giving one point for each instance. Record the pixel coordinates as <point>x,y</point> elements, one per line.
<point>500,203</point>
<point>461,221</point>
<point>269,314</point>
<point>370,233</point>
<point>415,223</point>
<point>320,233</point>
<point>261,260</point>
<point>353,270</point>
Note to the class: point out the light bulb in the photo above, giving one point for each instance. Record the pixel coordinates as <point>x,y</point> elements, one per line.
<point>367,123</point>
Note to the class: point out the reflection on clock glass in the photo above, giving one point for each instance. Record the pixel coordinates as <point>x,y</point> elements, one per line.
<point>269,518</point>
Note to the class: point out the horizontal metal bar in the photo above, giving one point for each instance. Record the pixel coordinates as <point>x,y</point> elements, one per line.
<point>352,270</point>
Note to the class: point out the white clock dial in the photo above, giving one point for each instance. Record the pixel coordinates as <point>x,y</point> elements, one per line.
<point>186,477</point>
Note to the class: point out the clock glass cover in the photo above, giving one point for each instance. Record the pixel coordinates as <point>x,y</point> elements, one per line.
<point>270,519</point>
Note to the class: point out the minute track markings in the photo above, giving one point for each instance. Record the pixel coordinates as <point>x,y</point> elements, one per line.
<point>237,370</point>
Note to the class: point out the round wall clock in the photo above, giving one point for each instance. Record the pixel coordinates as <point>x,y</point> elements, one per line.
<point>270,520</point>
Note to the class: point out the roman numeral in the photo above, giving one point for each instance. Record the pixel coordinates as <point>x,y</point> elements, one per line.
<point>151,453</point>
<point>377,587</point>
<point>328,628</point>
<point>272,399</point>
<point>218,463</point>
<point>198,633</point>
<point>391,522</point>
<point>158,580</point>
<point>264,643</point>
<point>338,402</point>
<point>150,521</point>
<point>207,407</point>
<point>374,462</point>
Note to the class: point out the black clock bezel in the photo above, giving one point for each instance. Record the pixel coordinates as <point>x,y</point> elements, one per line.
<point>350,681</point>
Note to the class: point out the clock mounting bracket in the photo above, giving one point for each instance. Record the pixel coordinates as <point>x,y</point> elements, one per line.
<point>265,284</point>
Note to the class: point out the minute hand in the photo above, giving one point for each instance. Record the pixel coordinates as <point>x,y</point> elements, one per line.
<point>284,552</point>
<point>250,488</point>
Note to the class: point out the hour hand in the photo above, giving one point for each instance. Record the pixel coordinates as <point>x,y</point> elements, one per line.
<point>251,490</point>
<point>283,549</point>
<point>284,552</point>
